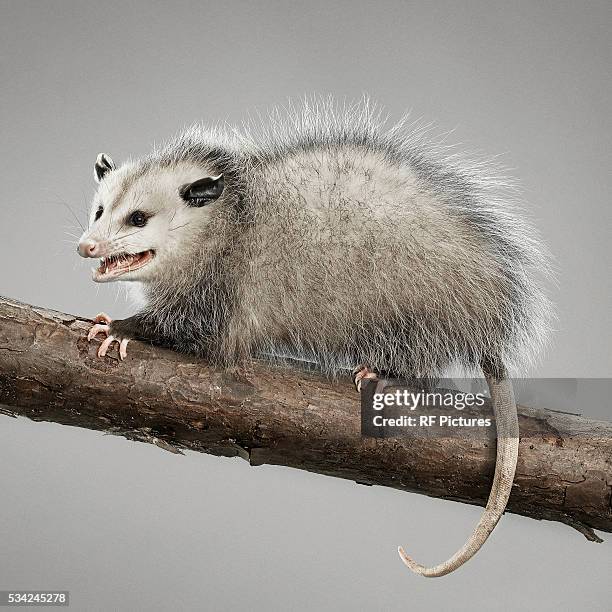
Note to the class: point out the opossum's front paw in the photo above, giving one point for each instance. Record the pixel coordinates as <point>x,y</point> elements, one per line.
<point>360,373</point>
<point>103,318</point>
<point>102,324</point>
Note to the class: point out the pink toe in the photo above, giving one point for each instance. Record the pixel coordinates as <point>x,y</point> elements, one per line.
<point>102,317</point>
<point>104,346</point>
<point>123,348</point>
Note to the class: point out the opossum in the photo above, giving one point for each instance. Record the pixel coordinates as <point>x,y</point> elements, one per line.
<point>335,238</point>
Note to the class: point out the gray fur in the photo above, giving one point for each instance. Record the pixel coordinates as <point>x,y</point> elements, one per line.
<point>435,265</point>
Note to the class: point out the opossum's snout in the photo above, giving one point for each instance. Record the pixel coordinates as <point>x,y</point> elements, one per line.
<point>114,261</point>
<point>112,267</point>
<point>89,248</point>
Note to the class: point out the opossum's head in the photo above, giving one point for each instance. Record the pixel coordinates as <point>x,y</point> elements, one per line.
<point>143,218</point>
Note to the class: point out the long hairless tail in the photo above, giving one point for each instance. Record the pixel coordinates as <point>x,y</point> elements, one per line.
<point>504,409</point>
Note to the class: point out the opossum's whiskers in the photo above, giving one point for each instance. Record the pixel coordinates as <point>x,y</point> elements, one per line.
<point>73,214</point>
<point>128,235</point>
<point>110,225</point>
<point>172,229</point>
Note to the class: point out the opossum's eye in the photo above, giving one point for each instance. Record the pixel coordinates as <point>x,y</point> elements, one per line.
<point>138,218</point>
<point>203,191</point>
<point>99,213</point>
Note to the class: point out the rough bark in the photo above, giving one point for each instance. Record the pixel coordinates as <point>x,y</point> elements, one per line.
<point>288,416</point>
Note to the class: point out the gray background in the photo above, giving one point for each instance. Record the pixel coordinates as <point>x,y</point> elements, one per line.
<point>126,526</point>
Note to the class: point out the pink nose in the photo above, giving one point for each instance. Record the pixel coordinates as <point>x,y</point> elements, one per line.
<point>88,248</point>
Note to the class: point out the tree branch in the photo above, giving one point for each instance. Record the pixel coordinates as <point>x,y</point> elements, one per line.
<point>287,416</point>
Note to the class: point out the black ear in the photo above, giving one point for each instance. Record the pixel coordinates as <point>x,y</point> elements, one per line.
<point>103,165</point>
<point>202,191</point>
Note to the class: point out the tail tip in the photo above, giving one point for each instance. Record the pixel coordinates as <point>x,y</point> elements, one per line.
<point>407,561</point>
<point>413,566</point>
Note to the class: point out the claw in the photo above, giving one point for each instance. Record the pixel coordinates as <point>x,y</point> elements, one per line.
<point>96,329</point>
<point>123,348</point>
<point>362,372</point>
<point>105,346</point>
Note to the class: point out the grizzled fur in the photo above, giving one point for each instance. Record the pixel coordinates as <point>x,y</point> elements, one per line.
<point>340,240</point>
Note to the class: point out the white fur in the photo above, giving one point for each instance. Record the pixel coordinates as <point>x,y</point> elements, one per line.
<point>337,239</point>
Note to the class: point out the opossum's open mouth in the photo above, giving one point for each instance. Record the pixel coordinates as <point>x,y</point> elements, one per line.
<point>121,263</point>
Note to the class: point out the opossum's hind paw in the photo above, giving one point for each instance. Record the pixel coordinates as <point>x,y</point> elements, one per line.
<point>360,373</point>
<point>104,328</point>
